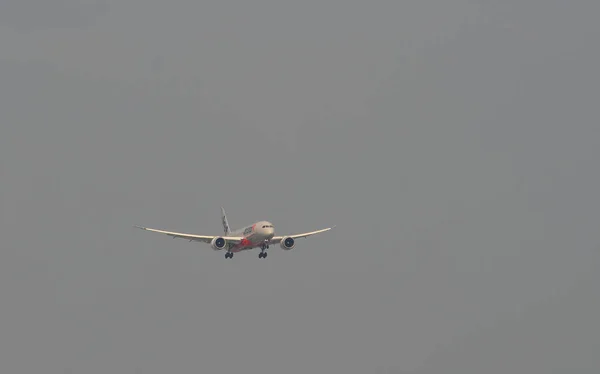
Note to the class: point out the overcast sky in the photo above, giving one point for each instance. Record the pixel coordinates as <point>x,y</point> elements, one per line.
<point>454,143</point>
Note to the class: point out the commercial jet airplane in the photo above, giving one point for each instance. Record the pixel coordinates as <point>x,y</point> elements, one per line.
<point>261,234</point>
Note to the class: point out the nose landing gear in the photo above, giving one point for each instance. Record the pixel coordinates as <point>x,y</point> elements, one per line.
<point>263,250</point>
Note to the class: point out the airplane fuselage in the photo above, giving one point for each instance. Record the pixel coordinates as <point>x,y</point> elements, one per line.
<point>254,235</point>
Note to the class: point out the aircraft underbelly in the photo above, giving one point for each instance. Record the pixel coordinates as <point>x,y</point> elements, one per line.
<point>248,243</point>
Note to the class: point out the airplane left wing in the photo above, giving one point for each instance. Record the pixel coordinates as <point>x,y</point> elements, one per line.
<point>192,237</point>
<point>277,239</point>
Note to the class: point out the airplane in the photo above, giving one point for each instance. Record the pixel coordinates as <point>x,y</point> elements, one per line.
<point>260,234</point>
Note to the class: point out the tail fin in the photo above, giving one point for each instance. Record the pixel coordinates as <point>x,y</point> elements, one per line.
<point>226,227</point>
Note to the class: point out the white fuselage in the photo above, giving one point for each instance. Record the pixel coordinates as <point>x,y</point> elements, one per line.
<point>254,235</point>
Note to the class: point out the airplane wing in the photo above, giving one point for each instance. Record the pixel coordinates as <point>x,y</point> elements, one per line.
<point>277,239</point>
<point>192,237</point>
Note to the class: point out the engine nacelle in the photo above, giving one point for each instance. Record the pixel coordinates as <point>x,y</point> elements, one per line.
<point>218,243</point>
<point>287,243</point>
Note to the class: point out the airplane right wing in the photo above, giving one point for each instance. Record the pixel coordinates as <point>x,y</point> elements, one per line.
<point>277,239</point>
<point>192,237</point>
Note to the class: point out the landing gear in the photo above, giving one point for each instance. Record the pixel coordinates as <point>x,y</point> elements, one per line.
<point>263,248</point>
<point>228,254</point>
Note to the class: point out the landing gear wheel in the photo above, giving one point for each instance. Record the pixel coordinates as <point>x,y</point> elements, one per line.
<point>229,255</point>
<point>262,255</point>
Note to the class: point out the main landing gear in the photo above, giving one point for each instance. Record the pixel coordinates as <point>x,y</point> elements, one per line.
<point>263,249</point>
<point>228,254</point>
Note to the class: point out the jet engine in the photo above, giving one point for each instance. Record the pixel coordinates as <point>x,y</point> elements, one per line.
<point>287,243</point>
<point>218,243</point>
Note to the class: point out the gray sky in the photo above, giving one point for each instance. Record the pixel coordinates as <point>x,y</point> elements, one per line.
<point>454,143</point>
